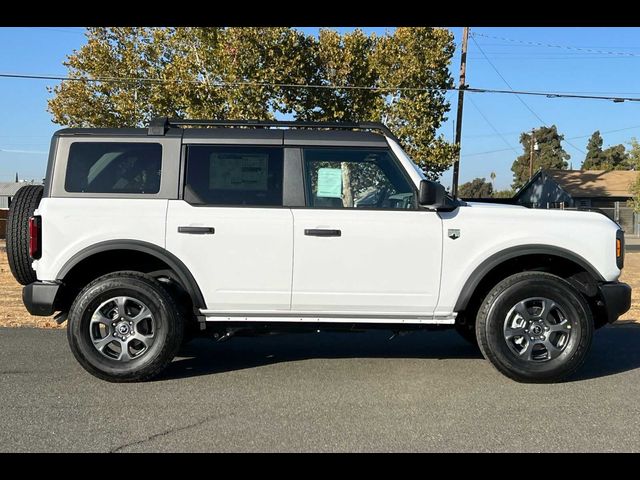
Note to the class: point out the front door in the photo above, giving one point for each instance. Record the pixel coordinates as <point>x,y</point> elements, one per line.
<point>361,246</point>
<point>231,229</point>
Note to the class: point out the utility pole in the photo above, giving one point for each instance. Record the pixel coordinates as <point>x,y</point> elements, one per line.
<point>531,146</point>
<point>461,87</point>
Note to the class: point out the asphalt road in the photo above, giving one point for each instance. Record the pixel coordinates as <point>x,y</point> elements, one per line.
<point>426,391</point>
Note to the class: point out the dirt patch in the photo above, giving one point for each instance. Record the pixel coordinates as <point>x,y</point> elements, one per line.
<point>13,313</point>
<point>631,275</point>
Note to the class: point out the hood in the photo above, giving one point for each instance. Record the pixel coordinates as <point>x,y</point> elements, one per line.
<point>492,205</point>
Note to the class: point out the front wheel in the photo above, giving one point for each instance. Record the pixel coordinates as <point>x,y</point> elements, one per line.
<point>124,327</point>
<point>535,327</point>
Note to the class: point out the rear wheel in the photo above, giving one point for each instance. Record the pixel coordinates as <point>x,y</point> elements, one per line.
<point>535,327</point>
<point>23,204</point>
<point>124,327</point>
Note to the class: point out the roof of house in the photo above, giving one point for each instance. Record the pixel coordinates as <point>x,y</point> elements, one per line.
<point>588,183</point>
<point>594,183</point>
<point>8,189</point>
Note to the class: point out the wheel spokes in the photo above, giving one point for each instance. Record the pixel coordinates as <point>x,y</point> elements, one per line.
<point>547,308</point>
<point>124,356</point>
<point>121,304</point>
<point>527,351</point>
<point>141,315</point>
<point>511,331</point>
<point>537,329</point>
<point>100,343</point>
<point>563,326</point>
<point>128,324</point>
<point>146,340</point>
<point>522,310</point>
<point>99,317</point>
<point>552,350</point>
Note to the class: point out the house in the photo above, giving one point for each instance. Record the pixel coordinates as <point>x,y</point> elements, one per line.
<point>9,189</point>
<point>577,189</point>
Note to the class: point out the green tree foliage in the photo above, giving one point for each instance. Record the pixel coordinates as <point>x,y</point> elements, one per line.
<point>504,193</point>
<point>550,154</point>
<point>594,155</point>
<point>476,188</point>
<point>634,164</point>
<point>185,69</point>
<point>612,158</point>
<point>616,158</point>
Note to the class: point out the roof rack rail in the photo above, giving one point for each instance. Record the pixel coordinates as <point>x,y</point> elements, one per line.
<point>160,125</point>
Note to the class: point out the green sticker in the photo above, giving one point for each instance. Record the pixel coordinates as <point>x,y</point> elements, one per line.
<point>329,183</point>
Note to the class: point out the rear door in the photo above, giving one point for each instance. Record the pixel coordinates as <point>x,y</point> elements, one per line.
<point>230,227</point>
<point>361,245</point>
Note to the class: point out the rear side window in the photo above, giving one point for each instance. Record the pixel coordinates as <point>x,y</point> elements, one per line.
<point>111,167</point>
<point>234,176</point>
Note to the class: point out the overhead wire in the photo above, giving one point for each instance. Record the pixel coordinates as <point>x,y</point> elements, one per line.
<point>518,96</point>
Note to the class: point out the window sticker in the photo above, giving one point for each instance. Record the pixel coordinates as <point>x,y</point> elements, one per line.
<point>235,172</point>
<point>329,183</point>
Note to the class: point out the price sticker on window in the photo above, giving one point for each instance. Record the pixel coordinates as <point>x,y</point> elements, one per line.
<point>329,183</point>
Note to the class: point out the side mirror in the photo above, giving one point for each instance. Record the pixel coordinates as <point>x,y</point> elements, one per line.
<point>431,194</point>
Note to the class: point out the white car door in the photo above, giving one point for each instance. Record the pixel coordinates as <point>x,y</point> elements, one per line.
<point>231,229</point>
<point>361,245</point>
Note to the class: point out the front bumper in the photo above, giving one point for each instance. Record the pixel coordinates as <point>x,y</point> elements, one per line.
<point>40,298</point>
<point>617,299</point>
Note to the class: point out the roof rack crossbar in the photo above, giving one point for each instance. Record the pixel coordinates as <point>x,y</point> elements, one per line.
<point>159,126</point>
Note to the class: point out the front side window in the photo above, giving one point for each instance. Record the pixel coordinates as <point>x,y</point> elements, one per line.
<point>355,178</point>
<point>234,176</point>
<point>113,167</point>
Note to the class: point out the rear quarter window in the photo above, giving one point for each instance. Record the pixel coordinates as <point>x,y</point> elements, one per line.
<point>234,176</point>
<point>114,167</point>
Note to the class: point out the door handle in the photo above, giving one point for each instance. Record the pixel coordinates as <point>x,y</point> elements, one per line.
<point>322,232</point>
<point>197,230</point>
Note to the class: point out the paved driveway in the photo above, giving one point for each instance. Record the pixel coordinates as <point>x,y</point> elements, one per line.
<point>426,391</point>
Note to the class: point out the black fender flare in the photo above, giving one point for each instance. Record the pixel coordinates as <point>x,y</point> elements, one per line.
<point>181,270</point>
<point>507,254</point>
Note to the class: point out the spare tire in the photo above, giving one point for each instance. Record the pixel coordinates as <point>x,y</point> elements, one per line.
<point>23,204</point>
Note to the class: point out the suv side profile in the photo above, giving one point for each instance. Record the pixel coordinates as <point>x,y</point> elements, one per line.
<point>143,238</point>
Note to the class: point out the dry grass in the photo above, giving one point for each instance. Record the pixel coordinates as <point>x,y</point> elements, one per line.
<point>13,313</point>
<point>631,275</point>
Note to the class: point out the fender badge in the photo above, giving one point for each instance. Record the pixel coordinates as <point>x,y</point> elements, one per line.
<point>454,233</point>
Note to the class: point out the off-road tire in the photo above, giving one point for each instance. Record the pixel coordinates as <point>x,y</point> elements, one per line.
<point>23,204</point>
<point>165,311</point>
<point>492,317</point>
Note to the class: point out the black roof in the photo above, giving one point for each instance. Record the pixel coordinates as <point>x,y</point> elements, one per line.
<point>296,133</point>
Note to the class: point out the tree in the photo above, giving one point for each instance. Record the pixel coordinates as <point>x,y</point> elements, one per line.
<point>241,73</point>
<point>476,188</point>
<point>616,158</point>
<point>634,163</point>
<point>503,193</point>
<point>550,154</point>
<point>613,158</point>
<point>594,155</point>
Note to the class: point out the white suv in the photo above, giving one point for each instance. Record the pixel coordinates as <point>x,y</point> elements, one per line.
<point>142,238</point>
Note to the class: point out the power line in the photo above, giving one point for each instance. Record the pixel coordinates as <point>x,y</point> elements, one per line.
<point>616,99</point>
<point>505,80</point>
<point>484,135</point>
<point>492,126</point>
<point>518,96</point>
<point>549,45</point>
<point>564,139</point>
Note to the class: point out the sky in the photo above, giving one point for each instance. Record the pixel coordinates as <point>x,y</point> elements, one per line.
<point>578,60</point>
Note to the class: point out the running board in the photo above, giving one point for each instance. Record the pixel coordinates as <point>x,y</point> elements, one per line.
<point>213,316</point>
